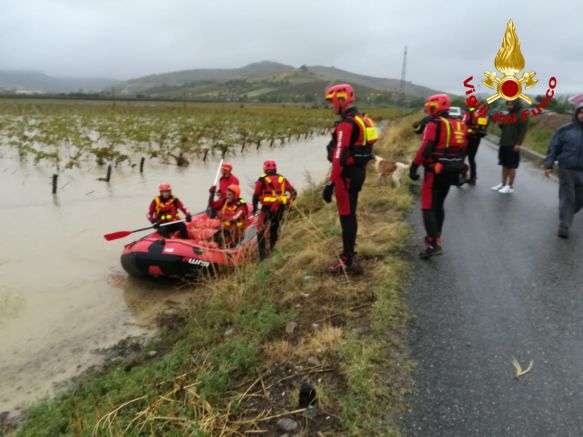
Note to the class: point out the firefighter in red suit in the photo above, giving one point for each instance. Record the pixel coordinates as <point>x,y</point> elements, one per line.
<point>164,208</point>
<point>349,152</point>
<point>442,154</point>
<point>233,216</point>
<point>275,193</point>
<point>476,130</point>
<point>227,178</point>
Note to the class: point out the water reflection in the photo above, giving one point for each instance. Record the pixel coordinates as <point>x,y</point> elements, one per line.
<point>148,300</point>
<point>12,302</point>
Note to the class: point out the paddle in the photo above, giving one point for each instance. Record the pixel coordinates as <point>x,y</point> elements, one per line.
<point>122,234</point>
<point>218,172</point>
<point>212,196</point>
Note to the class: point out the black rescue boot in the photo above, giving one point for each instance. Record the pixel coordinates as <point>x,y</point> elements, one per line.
<point>431,251</point>
<point>432,248</point>
<point>344,266</point>
<point>261,246</point>
<point>563,231</point>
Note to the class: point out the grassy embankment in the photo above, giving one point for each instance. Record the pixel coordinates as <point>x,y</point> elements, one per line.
<point>236,363</point>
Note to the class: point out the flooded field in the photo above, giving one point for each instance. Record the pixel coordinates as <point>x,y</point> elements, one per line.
<point>64,296</point>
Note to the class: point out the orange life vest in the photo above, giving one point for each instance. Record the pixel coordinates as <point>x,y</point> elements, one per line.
<point>273,190</point>
<point>362,151</point>
<point>166,211</point>
<point>449,151</point>
<point>230,216</point>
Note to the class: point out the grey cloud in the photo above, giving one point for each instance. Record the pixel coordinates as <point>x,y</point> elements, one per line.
<point>447,41</point>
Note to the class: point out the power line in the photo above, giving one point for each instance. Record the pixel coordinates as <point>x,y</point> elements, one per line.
<point>403,78</point>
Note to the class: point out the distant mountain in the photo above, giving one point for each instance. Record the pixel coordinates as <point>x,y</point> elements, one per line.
<point>185,77</point>
<point>32,81</point>
<point>378,83</point>
<point>264,81</point>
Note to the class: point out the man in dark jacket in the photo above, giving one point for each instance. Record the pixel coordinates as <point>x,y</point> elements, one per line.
<point>567,146</point>
<point>511,140</point>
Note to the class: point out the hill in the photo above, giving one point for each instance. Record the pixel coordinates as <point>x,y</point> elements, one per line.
<point>33,81</point>
<point>265,81</point>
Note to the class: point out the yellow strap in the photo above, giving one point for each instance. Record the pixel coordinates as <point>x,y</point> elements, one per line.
<point>160,204</point>
<point>369,132</point>
<point>360,122</point>
<point>447,131</point>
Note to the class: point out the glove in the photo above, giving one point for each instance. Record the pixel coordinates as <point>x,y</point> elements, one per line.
<point>188,218</point>
<point>327,193</point>
<point>156,225</point>
<point>413,172</point>
<point>254,211</point>
<point>213,189</point>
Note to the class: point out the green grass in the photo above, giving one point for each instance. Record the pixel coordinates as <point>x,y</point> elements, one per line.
<point>537,139</point>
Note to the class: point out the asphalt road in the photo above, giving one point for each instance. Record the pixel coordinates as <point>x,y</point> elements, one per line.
<point>506,286</point>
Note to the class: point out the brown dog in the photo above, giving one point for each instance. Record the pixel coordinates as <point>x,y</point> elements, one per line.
<point>386,167</point>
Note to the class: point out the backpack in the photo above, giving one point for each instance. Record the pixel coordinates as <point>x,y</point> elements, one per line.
<point>477,125</point>
<point>362,153</point>
<point>451,157</point>
<point>481,127</point>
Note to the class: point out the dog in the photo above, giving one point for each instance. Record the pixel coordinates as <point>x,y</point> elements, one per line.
<point>395,169</point>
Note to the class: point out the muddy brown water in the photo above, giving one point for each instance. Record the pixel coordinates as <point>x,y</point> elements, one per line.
<point>63,293</point>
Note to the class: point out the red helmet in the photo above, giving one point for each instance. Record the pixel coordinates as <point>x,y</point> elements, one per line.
<point>227,167</point>
<point>235,190</point>
<point>269,166</point>
<point>437,103</point>
<point>341,96</point>
<point>165,187</point>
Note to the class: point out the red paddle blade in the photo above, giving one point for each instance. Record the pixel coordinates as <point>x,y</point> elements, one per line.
<point>117,235</point>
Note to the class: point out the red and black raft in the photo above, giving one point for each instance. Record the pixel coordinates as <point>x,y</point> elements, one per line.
<point>156,256</point>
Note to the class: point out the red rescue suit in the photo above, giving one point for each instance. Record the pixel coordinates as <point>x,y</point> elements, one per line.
<point>476,130</point>
<point>349,158</point>
<point>442,153</point>
<point>346,174</point>
<point>166,210</point>
<point>234,217</point>
<point>224,182</point>
<point>470,118</point>
<point>275,193</point>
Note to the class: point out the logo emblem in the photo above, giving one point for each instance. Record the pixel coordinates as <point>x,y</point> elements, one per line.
<point>509,61</point>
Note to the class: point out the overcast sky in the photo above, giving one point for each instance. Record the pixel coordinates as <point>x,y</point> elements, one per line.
<point>447,41</point>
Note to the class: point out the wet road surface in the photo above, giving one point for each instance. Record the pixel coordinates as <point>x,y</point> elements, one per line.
<point>506,287</point>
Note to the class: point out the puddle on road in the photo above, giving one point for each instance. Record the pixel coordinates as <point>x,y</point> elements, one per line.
<point>64,295</point>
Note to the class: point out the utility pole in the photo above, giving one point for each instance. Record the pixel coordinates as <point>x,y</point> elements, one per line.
<point>402,87</point>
